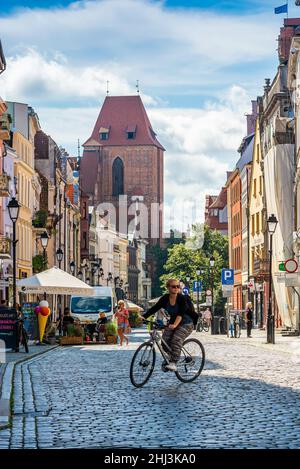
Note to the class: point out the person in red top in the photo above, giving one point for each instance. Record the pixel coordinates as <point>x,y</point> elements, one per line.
<point>122,316</point>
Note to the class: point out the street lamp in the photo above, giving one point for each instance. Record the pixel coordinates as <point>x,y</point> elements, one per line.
<point>72,267</point>
<point>13,210</point>
<point>272,225</point>
<point>198,272</point>
<point>109,278</point>
<point>44,242</point>
<point>80,275</point>
<point>212,264</point>
<point>59,256</point>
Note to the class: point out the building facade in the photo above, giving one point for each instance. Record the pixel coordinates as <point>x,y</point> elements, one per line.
<point>124,158</point>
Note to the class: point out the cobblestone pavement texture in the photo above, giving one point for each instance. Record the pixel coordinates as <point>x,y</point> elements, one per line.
<point>10,357</point>
<point>82,397</point>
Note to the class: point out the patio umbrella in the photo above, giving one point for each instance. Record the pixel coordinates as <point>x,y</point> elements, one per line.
<point>54,281</point>
<point>133,307</point>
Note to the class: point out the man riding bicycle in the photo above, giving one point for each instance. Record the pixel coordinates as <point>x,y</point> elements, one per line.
<point>181,323</point>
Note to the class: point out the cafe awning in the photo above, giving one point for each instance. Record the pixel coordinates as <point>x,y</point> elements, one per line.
<point>54,281</point>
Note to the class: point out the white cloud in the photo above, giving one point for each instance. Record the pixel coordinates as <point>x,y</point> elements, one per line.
<point>201,146</point>
<point>163,48</point>
<point>32,75</point>
<point>59,61</point>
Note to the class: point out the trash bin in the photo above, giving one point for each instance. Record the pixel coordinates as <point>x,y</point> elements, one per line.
<point>215,325</point>
<point>223,325</point>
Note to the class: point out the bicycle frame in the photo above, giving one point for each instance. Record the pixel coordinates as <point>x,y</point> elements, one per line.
<point>157,340</point>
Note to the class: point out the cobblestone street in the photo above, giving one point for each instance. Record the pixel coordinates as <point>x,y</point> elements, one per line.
<point>81,397</point>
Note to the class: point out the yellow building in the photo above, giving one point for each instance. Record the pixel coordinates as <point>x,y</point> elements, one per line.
<point>24,124</point>
<point>258,268</point>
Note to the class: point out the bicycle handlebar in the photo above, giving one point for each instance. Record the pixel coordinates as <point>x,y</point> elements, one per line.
<point>155,323</point>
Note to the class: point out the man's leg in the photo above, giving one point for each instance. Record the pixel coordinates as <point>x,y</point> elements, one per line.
<point>179,336</point>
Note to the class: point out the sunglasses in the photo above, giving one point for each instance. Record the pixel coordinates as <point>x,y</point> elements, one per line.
<point>174,286</point>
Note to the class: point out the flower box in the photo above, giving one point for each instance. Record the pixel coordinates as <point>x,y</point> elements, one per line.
<point>71,340</point>
<point>111,339</point>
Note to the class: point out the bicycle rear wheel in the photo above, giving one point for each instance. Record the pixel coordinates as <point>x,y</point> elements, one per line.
<point>142,364</point>
<point>199,326</point>
<point>191,361</point>
<point>205,326</point>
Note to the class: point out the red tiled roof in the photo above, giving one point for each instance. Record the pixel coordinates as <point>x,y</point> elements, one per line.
<point>221,200</point>
<point>120,113</point>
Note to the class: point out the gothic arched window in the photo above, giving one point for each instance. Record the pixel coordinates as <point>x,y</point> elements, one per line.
<point>118,177</point>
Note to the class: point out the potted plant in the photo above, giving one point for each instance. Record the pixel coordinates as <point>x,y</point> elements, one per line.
<point>111,332</point>
<point>74,335</point>
<point>135,319</point>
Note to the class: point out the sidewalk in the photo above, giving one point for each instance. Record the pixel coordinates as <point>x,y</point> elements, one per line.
<point>259,339</point>
<point>6,376</point>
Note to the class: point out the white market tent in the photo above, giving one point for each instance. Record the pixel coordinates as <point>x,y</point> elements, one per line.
<point>54,281</point>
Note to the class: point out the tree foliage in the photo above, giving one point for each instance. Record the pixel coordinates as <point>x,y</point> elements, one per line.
<point>183,260</point>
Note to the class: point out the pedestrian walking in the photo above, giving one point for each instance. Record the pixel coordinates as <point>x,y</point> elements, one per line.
<point>249,318</point>
<point>122,316</point>
<point>207,316</point>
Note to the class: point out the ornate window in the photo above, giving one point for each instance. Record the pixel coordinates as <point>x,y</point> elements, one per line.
<point>118,177</point>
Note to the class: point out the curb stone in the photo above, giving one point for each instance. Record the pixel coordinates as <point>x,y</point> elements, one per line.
<point>7,387</point>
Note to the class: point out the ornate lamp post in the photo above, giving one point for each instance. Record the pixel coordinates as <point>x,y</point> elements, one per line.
<point>59,256</point>
<point>13,210</point>
<point>44,242</point>
<point>109,278</point>
<point>212,264</point>
<point>272,225</point>
<point>72,267</point>
<point>198,272</point>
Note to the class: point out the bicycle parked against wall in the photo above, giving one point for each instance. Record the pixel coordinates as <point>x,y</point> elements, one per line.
<point>202,325</point>
<point>189,366</point>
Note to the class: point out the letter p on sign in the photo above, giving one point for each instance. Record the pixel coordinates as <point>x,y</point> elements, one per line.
<point>227,277</point>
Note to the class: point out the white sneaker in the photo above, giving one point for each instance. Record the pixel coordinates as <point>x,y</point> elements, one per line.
<point>171,366</point>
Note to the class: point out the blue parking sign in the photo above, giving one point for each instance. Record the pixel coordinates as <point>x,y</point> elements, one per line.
<point>197,286</point>
<point>227,277</point>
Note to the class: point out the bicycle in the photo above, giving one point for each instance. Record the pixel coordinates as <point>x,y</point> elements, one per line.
<point>22,336</point>
<point>202,325</point>
<point>189,365</point>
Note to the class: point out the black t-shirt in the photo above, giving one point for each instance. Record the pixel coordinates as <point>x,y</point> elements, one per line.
<point>174,311</point>
<point>68,320</point>
<point>249,315</point>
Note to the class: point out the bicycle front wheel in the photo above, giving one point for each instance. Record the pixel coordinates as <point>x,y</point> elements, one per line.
<point>191,361</point>
<point>142,364</point>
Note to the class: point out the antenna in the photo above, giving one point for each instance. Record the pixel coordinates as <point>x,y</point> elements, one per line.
<point>107,88</point>
<point>137,86</point>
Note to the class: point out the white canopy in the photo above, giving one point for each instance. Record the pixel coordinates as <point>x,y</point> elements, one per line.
<point>132,306</point>
<point>54,281</point>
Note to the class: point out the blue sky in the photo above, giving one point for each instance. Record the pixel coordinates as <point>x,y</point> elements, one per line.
<point>223,5</point>
<point>199,64</point>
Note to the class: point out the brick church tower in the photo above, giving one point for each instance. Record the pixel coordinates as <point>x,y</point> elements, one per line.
<point>123,157</point>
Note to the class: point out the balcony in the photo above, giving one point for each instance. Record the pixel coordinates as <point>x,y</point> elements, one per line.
<point>5,247</point>
<point>4,185</point>
<point>40,219</point>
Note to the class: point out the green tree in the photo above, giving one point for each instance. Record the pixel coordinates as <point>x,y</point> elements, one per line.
<point>184,259</point>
